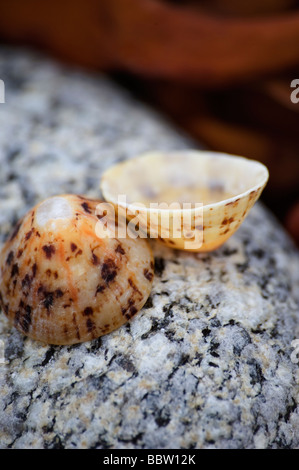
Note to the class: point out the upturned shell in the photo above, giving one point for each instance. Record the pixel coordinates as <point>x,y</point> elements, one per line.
<point>62,284</point>
<point>225,187</point>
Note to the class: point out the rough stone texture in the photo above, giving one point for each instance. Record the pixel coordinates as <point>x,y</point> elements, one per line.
<point>207,361</point>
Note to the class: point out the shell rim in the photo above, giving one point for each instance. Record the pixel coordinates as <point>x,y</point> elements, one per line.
<point>261,185</point>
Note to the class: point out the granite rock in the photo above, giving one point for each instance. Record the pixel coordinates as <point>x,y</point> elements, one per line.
<point>207,362</point>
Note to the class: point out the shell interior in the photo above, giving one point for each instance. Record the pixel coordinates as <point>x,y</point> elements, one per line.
<point>223,187</point>
<point>183,177</point>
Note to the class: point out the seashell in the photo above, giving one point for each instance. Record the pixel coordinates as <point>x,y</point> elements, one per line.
<point>206,195</point>
<point>60,283</point>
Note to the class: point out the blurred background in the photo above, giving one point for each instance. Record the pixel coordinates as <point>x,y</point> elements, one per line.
<point>222,70</point>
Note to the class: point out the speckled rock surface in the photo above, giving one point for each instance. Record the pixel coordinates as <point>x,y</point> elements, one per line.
<point>207,363</point>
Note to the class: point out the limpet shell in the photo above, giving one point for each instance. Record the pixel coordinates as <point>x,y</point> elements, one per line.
<point>227,187</point>
<point>62,284</point>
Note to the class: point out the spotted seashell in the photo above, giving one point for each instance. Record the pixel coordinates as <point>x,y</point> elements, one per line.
<point>61,283</point>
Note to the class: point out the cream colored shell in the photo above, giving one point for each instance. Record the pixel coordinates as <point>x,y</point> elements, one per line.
<point>226,186</point>
<point>62,284</point>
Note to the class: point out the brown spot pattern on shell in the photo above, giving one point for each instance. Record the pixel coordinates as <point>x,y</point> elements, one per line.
<point>62,284</point>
